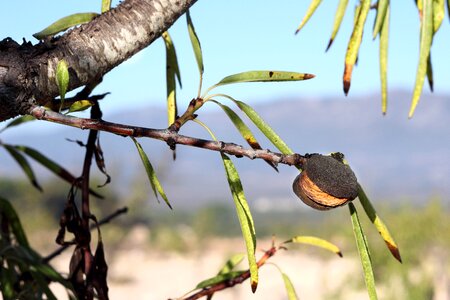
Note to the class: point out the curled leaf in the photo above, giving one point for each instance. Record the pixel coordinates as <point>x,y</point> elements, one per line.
<point>65,23</point>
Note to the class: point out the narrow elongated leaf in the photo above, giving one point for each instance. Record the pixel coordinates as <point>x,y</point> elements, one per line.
<point>290,290</point>
<point>42,284</point>
<point>18,121</point>
<point>22,161</point>
<point>218,279</point>
<point>426,36</point>
<point>382,8</point>
<point>106,5</point>
<point>65,23</point>
<point>315,241</point>
<point>311,9</point>
<point>154,181</point>
<point>364,253</point>
<point>379,224</point>
<point>430,72</point>
<point>244,216</point>
<point>172,71</point>
<point>340,12</point>
<point>80,105</point>
<point>195,42</point>
<point>14,222</point>
<point>354,43</point>
<point>243,130</point>
<point>448,8</point>
<point>438,14</point>
<point>62,79</point>
<point>52,166</point>
<point>231,263</point>
<point>384,42</point>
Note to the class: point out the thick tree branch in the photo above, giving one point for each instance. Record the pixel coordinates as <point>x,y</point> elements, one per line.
<point>170,137</point>
<point>27,72</point>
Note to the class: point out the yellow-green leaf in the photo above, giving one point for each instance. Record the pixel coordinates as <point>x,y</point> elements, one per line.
<point>315,241</point>
<point>382,9</point>
<point>384,42</point>
<point>172,71</point>
<point>218,279</point>
<point>363,249</point>
<point>23,163</point>
<point>354,43</point>
<point>195,43</point>
<point>243,129</point>
<point>106,5</point>
<point>290,290</point>
<point>151,174</point>
<point>62,79</point>
<point>340,12</point>
<point>65,23</point>
<point>379,224</point>
<point>80,105</point>
<point>231,263</point>
<point>426,37</point>
<point>311,9</point>
<point>438,14</point>
<point>18,121</point>
<point>244,216</point>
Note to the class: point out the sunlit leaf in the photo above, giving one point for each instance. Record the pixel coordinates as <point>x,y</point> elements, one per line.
<point>243,129</point>
<point>311,9</point>
<point>106,5</point>
<point>172,71</point>
<point>195,42</point>
<point>379,224</point>
<point>244,216</point>
<point>65,23</point>
<point>384,42</point>
<point>340,12</point>
<point>382,8</point>
<point>62,79</point>
<point>315,241</point>
<point>80,105</point>
<point>364,253</point>
<point>14,222</point>
<point>154,181</point>
<point>22,161</point>
<point>426,36</point>
<point>218,279</point>
<point>231,263</point>
<point>290,290</point>
<point>354,43</point>
<point>18,121</point>
<point>438,14</point>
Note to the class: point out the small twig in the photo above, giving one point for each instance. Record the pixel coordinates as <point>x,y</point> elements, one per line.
<point>168,136</point>
<point>102,222</point>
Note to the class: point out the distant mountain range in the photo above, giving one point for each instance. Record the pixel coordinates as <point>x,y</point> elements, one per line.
<point>392,156</point>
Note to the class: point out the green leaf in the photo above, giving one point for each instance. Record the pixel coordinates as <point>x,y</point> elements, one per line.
<point>80,105</point>
<point>382,9</point>
<point>14,222</point>
<point>154,181</point>
<point>315,241</point>
<point>430,72</point>
<point>340,12</point>
<point>231,263</point>
<point>22,161</point>
<point>354,43</point>
<point>384,41</point>
<point>172,71</point>
<point>18,121</point>
<point>290,290</point>
<point>379,224</point>
<point>65,23</point>
<point>106,5</point>
<point>426,37</point>
<point>244,216</point>
<point>195,43</point>
<point>218,279</point>
<point>243,129</point>
<point>438,14</point>
<point>311,9</point>
<point>448,8</point>
<point>62,79</point>
<point>42,284</point>
<point>364,253</point>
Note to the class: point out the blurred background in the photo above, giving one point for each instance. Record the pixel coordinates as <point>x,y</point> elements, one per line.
<point>403,164</point>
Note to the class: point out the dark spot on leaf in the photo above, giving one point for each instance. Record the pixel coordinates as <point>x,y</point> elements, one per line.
<point>270,74</point>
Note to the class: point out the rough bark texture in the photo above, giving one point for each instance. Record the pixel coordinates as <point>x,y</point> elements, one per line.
<point>27,72</point>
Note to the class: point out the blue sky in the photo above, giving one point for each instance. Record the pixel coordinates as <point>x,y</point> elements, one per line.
<point>249,35</point>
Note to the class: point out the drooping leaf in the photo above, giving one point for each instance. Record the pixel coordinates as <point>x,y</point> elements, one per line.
<point>243,129</point>
<point>62,79</point>
<point>231,263</point>
<point>340,12</point>
<point>311,9</point>
<point>22,161</point>
<point>354,43</point>
<point>379,224</point>
<point>363,249</point>
<point>382,8</point>
<point>172,71</point>
<point>438,14</point>
<point>154,181</point>
<point>14,222</point>
<point>244,216</point>
<point>430,72</point>
<point>290,290</point>
<point>195,43</point>
<point>426,37</point>
<point>106,5</point>
<point>80,105</point>
<point>18,121</point>
<point>315,241</point>
<point>218,279</point>
<point>384,41</point>
<point>65,23</point>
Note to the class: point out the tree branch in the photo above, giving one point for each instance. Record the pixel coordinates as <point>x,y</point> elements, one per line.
<point>27,72</point>
<point>170,137</point>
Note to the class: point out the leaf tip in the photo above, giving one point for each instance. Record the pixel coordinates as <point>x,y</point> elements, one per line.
<point>395,251</point>
<point>329,45</point>
<point>339,253</point>
<point>309,76</point>
<point>346,87</point>
<point>254,286</point>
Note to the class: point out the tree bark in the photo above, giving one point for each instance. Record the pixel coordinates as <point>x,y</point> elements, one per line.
<point>27,72</point>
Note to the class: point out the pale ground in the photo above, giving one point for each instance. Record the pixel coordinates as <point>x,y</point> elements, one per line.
<point>137,272</point>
